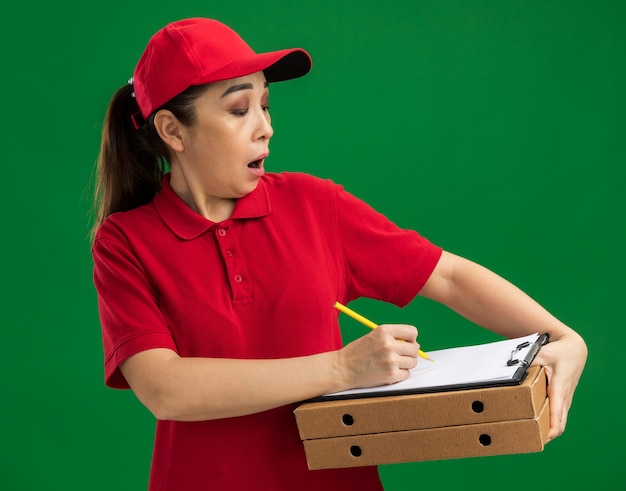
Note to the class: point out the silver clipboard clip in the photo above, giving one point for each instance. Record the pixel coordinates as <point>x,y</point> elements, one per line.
<point>532,352</point>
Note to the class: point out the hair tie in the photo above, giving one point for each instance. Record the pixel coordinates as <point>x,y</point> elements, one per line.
<point>137,118</point>
<point>131,82</point>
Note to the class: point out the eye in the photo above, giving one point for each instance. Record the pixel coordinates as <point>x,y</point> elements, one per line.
<point>239,112</point>
<point>266,107</point>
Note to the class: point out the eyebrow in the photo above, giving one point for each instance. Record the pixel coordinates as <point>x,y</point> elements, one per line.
<point>235,88</point>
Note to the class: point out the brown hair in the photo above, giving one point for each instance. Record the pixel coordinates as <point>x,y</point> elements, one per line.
<point>132,162</point>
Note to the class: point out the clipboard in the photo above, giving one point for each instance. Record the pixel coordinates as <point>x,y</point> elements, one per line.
<point>496,364</point>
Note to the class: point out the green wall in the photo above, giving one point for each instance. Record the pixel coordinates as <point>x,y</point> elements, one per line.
<point>496,128</point>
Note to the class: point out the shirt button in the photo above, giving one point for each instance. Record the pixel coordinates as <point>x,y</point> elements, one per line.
<point>229,253</point>
<point>222,232</point>
<point>238,278</point>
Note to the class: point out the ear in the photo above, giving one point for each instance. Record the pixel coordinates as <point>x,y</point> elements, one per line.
<point>169,129</point>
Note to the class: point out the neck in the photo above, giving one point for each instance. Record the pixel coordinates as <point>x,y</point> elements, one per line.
<point>215,209</point>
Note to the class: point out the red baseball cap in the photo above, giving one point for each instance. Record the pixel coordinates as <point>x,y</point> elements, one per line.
<point>199,51</point>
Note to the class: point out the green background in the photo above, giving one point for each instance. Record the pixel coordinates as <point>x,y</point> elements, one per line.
<point>495,128</point>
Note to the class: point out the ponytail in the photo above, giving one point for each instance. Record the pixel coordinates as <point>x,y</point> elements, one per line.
<point>132,160</point>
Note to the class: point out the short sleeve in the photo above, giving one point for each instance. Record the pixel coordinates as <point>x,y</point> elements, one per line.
<point>382,260</point>
<point>128,305</point>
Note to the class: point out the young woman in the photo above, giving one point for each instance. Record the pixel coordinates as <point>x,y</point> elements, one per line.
<point>216,280</point>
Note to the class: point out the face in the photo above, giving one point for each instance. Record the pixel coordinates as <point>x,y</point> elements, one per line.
<point>224,151</point>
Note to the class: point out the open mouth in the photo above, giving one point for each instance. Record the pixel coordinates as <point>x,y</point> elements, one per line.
<point>256,167</point>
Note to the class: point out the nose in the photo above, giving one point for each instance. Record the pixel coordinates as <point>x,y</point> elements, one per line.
<point>264,129</point>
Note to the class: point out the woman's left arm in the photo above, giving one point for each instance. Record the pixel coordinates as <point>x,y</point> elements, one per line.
<point>490,301</point>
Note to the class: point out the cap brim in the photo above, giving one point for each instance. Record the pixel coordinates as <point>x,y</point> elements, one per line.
<point>280,65</point>
<point>293,64</point>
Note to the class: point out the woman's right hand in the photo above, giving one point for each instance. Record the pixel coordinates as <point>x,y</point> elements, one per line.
<point>384,356</point>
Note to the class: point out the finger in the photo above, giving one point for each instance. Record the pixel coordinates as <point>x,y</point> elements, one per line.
<point>401,375</point>
<point>558,421</point>
<point>556,414</point>
<point>564,419</point>
<point>404,348</point>
<point>403,332</point>
<point>559,408</point>
<point>407,362</point>
<point>539,360</point>
<point>556,411</point>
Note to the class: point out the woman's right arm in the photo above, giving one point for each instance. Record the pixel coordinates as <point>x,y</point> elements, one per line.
<point>140,351</point>
<point>194,389</point>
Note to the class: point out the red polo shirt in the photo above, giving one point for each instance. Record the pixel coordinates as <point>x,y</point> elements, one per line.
<point>261,284</point>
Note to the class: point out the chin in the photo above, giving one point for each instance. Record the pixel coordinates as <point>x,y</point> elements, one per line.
<point>247,188</point>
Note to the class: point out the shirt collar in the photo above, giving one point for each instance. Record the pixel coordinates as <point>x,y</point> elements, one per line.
<point>187,224</point>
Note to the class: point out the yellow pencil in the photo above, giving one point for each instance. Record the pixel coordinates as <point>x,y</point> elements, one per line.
<point>369,323</point>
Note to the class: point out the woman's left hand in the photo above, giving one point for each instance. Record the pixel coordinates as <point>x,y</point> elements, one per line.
<point>563,359</point>
<point>490,301</point>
